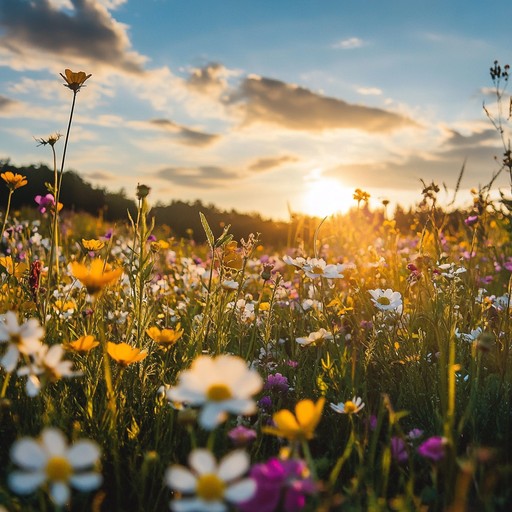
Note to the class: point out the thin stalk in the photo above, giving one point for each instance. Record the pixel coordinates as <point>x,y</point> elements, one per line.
<point>6,212</point>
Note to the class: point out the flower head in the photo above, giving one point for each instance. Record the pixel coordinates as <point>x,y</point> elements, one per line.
<point>399,449</point>
<point>219,385</point>
<point>13,181</point>
<point>166,338</point>
<point>124,354</point>
<point>315,338</point>
<point>277,382</point>
<point>207,485</point>
<point>83,344</point>
<point>386,300</point>
<point>14,268</point>
<point>92,244</point>
<point>97,276</point>
<point>349,407</point>
<point>242,436</point>
<point>434,448</point>
<point>50,460</point>
<point>74,80</point>
<point>21,339</point>
<point>300,426</point>
<point>45,202</point>
<point>285,482</point>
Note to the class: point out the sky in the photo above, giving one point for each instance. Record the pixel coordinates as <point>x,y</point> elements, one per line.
<point>261,106</point>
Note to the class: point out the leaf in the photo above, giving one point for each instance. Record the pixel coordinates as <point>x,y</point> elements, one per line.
<point>207,230</point>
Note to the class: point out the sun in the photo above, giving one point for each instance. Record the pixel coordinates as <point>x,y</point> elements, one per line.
<point>325,196</point>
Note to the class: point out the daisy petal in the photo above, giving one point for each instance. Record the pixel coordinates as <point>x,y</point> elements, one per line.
<point>28,454</point>
<point>54,442</point>
<point>83,453</point>
<point>202,461</point>
<point>86,481</point>
<point>60,493</point>
<point>180,479</point>
<point>25,483</point>
<point>233,465</point>
<point>241,491</point>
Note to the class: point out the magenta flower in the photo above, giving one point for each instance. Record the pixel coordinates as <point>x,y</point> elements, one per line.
<point>434,448</point>
<point>280,485</point>
<point>399,449</point>
<point>242,436</point>
<point>277,382</point>
<point>44,202</point>
<point>471,220</point>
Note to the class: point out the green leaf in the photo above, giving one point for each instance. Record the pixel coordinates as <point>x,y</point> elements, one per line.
<point>207,230</point>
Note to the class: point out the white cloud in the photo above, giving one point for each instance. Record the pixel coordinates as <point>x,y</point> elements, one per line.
<point>369,91</point>
<point>349,44</point>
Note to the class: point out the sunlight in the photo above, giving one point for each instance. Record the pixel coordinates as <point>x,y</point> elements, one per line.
<point>325,196</point>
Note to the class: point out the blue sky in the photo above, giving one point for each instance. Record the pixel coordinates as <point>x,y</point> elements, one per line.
<point>257,105</point>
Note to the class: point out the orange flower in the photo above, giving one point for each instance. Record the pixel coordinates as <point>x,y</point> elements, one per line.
<point>14,181</point>
<point>299,427</point>
<point>92,244</point>
<point>74,81</point>
<point>96,277</point>
<point>16,269</point>
<point>166,338</point>
<point>124,354</point>
<point>83,344</point>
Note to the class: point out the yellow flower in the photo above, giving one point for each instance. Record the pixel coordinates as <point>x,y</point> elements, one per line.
<point>124,354</point>
<point>83,344</point>
<point>166,338</point>
<point>74,81</point>
<point>96,277</point>
<point>14,181</point>
<point>92,244</point>
<point>299,427</point>
<point>62,306</point>
<point>16,269</point>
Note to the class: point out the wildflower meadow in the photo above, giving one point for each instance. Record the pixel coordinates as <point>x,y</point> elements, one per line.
<point>365,366</point>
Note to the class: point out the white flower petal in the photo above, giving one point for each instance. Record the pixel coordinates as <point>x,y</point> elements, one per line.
<point>241,491</point>
<point>86,481</point>
<point>202,461</point>
<point>60,493</point>
<point>10,358</point>
<point>83,453</point>
<point>240,406</point>
<point>54,442</point>
<point>28,454</point>
<point>25,483</point>
<point>212,415</point>
<point>196,505</point>
<point>54,355</point>
<point>250,384</point>
<point>233,465</point>
<point>180,478</point>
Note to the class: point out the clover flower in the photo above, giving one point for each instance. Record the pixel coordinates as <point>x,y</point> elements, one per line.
<point>349,407</point>
<point>207,485</point>
<point>219,385</point>
<point>50,460</point>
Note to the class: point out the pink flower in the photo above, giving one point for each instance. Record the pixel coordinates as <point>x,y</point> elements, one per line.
<point>44,202</point>
<point>434,448</point>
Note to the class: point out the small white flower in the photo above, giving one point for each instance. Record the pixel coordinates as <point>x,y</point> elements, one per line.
<point>219,385</point>
<point>49,459</point>
<point>317,267</point>
<point>21,339</point>
<point>210,484</point>
<point>316,337</point>
<point>469,337</point>
<point>386,300</point>
<point>349,407</point>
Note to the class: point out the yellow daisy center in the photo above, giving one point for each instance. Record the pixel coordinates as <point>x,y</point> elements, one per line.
<point>58,469</point>
<point>210,487</point>
<point>384,301</point>
<point>218,392</point>
<point>317,270</point>
<point>350,407</point>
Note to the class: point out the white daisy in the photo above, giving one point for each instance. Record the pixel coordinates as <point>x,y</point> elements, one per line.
<point>349,407</point>
<point>49,459</point>
<point>219,385</point>
<point>47,365</point>
<point>21,339</point>
<point>209,483</point>
<point>316,338</point>
<point>386,300</point>
<point>317,267</point>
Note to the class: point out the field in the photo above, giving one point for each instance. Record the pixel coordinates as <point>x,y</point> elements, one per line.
<point>367,366</point>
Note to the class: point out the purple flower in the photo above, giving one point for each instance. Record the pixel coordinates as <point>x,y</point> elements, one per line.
<point>108,234</point>
<point>277,382</point>
<point>242,436</point>
<point>471,220</point>
<point>415,433</point>
<point>399,449</point>
<point>280,485</point>
<point>44,202</point>
<point>433,448</point>
<point>265,403</point>
<point>151,238</point>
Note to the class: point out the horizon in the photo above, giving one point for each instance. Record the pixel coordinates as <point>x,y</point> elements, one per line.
<point>253,108</point>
